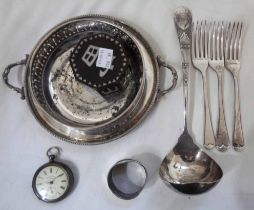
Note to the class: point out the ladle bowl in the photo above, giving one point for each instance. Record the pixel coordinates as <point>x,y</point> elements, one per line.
<point>188,169</point>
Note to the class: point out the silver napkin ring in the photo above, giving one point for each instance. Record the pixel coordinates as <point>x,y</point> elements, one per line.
<point>127,178</point>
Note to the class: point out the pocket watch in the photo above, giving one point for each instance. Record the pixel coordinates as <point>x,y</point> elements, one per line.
<point>54,180</point>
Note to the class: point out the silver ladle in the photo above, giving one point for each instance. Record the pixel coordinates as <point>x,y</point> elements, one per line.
<point>187,168</point>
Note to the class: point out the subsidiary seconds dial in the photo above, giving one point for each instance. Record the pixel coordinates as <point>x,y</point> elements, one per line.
<point>52,181</point>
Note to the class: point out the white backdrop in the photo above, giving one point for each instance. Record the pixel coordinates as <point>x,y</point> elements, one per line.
<point>24,142</point>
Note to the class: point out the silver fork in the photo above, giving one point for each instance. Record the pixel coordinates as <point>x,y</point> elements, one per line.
<point>216,61</point>
<point>232,62</point>
<point>200,62</point>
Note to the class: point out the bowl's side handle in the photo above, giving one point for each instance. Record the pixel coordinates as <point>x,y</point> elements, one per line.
<point>162,63</point>
<point>6,79</point>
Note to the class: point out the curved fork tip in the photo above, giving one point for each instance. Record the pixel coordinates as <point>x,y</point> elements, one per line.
<point>239,148</point>
<point>222,148</point>
<point>209,146</point>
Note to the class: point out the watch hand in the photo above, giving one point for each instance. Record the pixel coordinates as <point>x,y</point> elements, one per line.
<point>58,176</point>
<point>53,179</point>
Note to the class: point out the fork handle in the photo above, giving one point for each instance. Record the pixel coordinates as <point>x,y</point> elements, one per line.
<point>209,140</point>
<point>222,140</point>
<point>238,139</point>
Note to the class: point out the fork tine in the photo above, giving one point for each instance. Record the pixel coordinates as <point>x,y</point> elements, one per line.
<point>238,40</point>
<point>230,40</point>
<point>227,41</point>
<point>197,39</point>
<point>213,42</point>
<point>205,39</point>
<point>209,40</point>
<point>232,56</point>
<point>201,49</point>
<point>218,41</point>
<point>222,41</point>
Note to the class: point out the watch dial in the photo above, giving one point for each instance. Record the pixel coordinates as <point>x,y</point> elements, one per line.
<point>52,182</point>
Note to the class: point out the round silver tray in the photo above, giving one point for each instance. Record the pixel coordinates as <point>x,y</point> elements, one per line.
<point>72,110</point>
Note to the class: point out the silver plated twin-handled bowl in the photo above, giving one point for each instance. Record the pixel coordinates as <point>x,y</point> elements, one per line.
<point>75,112</point>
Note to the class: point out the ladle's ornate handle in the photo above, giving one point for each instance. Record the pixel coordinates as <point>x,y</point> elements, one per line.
<point>6,79</point>
<point>183,25</point>
<point>185,69</point>
<point>185,47</point>
<point>162,63</point>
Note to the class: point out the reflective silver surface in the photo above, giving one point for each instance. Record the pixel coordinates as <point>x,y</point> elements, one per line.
<point>73,111</point>
<point>200,61</point>
<point>80,103</point>
<point>216,61</point>
<point>233,64</point>
<point>127,178</point>
<point>187,168</point>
